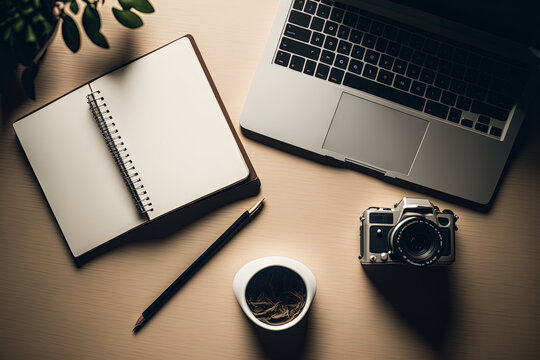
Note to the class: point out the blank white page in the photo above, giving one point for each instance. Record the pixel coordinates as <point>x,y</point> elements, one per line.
<point>173,127</point>
<point>77,173</point>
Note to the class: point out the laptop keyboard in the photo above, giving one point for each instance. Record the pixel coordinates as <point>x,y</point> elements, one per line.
<point>364,51</point>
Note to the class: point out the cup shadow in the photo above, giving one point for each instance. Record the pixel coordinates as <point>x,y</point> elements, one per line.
<point>422,298</point>
<point>287,344</point>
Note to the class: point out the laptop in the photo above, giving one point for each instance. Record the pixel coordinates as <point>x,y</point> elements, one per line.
<point>431,93</point>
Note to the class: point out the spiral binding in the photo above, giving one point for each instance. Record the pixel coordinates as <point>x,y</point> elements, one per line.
<point>119,151</point>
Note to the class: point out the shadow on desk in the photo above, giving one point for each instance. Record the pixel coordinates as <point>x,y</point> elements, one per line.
<point>292,343</point>
<point>422,298</point>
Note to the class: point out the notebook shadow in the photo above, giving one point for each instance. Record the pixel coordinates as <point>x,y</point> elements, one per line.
<point>288,344</point>
<point>421,298</point>
<point>171,223</point>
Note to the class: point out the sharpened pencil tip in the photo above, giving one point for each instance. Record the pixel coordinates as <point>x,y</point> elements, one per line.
<point>138,324</point>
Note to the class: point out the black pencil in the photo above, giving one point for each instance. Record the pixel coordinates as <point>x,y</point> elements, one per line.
<point>197,264</point>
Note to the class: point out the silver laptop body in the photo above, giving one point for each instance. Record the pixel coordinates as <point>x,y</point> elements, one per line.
<point>457,152</point>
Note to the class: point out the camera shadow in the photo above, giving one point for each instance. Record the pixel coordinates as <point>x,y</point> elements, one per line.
<point>286,344</point>
<point>421,297</point>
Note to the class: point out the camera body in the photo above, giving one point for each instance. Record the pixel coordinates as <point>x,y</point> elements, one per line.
<point>414,232</point>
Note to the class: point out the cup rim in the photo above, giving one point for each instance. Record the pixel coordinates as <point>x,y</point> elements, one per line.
<point>255,267</point>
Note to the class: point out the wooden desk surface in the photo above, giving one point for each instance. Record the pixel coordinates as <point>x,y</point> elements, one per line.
<point>486,306</point>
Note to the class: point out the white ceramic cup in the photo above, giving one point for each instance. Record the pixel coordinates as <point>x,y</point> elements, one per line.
<point>244,275</point>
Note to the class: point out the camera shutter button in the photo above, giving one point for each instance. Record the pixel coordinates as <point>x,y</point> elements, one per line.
<point>384,256</point>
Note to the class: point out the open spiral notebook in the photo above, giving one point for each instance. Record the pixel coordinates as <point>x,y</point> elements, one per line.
<point>139,142</point>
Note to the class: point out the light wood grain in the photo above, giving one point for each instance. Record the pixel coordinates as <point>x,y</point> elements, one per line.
<point>485,307</point>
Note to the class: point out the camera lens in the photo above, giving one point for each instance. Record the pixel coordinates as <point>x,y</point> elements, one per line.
<point>417,241</point>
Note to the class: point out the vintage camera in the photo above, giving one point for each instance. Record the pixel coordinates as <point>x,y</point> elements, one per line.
<point>414,232</point>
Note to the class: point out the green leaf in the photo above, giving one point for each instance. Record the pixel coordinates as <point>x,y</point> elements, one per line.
<point>143,6</point>
<point>74,7</point>
<point>125,4</point>
<point>127,18</point>
<point>70,33</point>
<point>30,34</point>
<point>28,76</point>
<point>91,24</point>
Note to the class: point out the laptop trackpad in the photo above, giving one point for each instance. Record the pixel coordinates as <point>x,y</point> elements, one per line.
<point>374,134</point>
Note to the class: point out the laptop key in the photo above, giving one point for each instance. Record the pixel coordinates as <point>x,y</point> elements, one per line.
<point>310,67</point>
<point>413,71</point>
<point>322,71</point>
<point>427,76</point>
<point>454,115</point>
<point>418,58</point>
<point>369,41</point>
<point>358,52</point>
<point>481,127</point>
<point>483,120</point>
<point>350,19</point>
<point>299,18</point>
<point>297,63</point>
<point>445,67</point>
<point>370,71</point>
<point>386,62</point>
<point>299,4</point>
<point>417,42</point>
<point>495,131</point>
<point>431,62</point>
<point>337,14</point>
<point>372,57</point>
<point>403,37</point>
<point>442,81</point>
<point>383,91</point>
<point>476,92</point>
<point>399,66</point>
<point>500,100</point>
<point>364,23</point>
<point>402,83</point>
<point>341,61</point>
<point>356,36</point>
<point>385,77</point>
<point>406,53</point>
<point>464,103</point>
<point>390,32</point>
<point>310,7</point>
<point>317,39</point>
<point>336,75</point>
<point>298,48</point>
<point>489,110</point>
<point>323,11</point>
<point>330,28</point>
<point>282,58</point>
<point>356,66</point>
<point>458,86</point>
<point>431,46</point>
<point>327,57</point>
<point>393,49</point>
<point>297,33</point>
<point>381,44</point>
<point>433,93</point>
<point>418,88</point>
<point>467,123</point>
<point>436,109</point>
<point>344,47</point>
<point>343,32</point>
<point>317,24</point>
<point>330,43</point>
<point>377,28</point>
<point>448,98</point>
